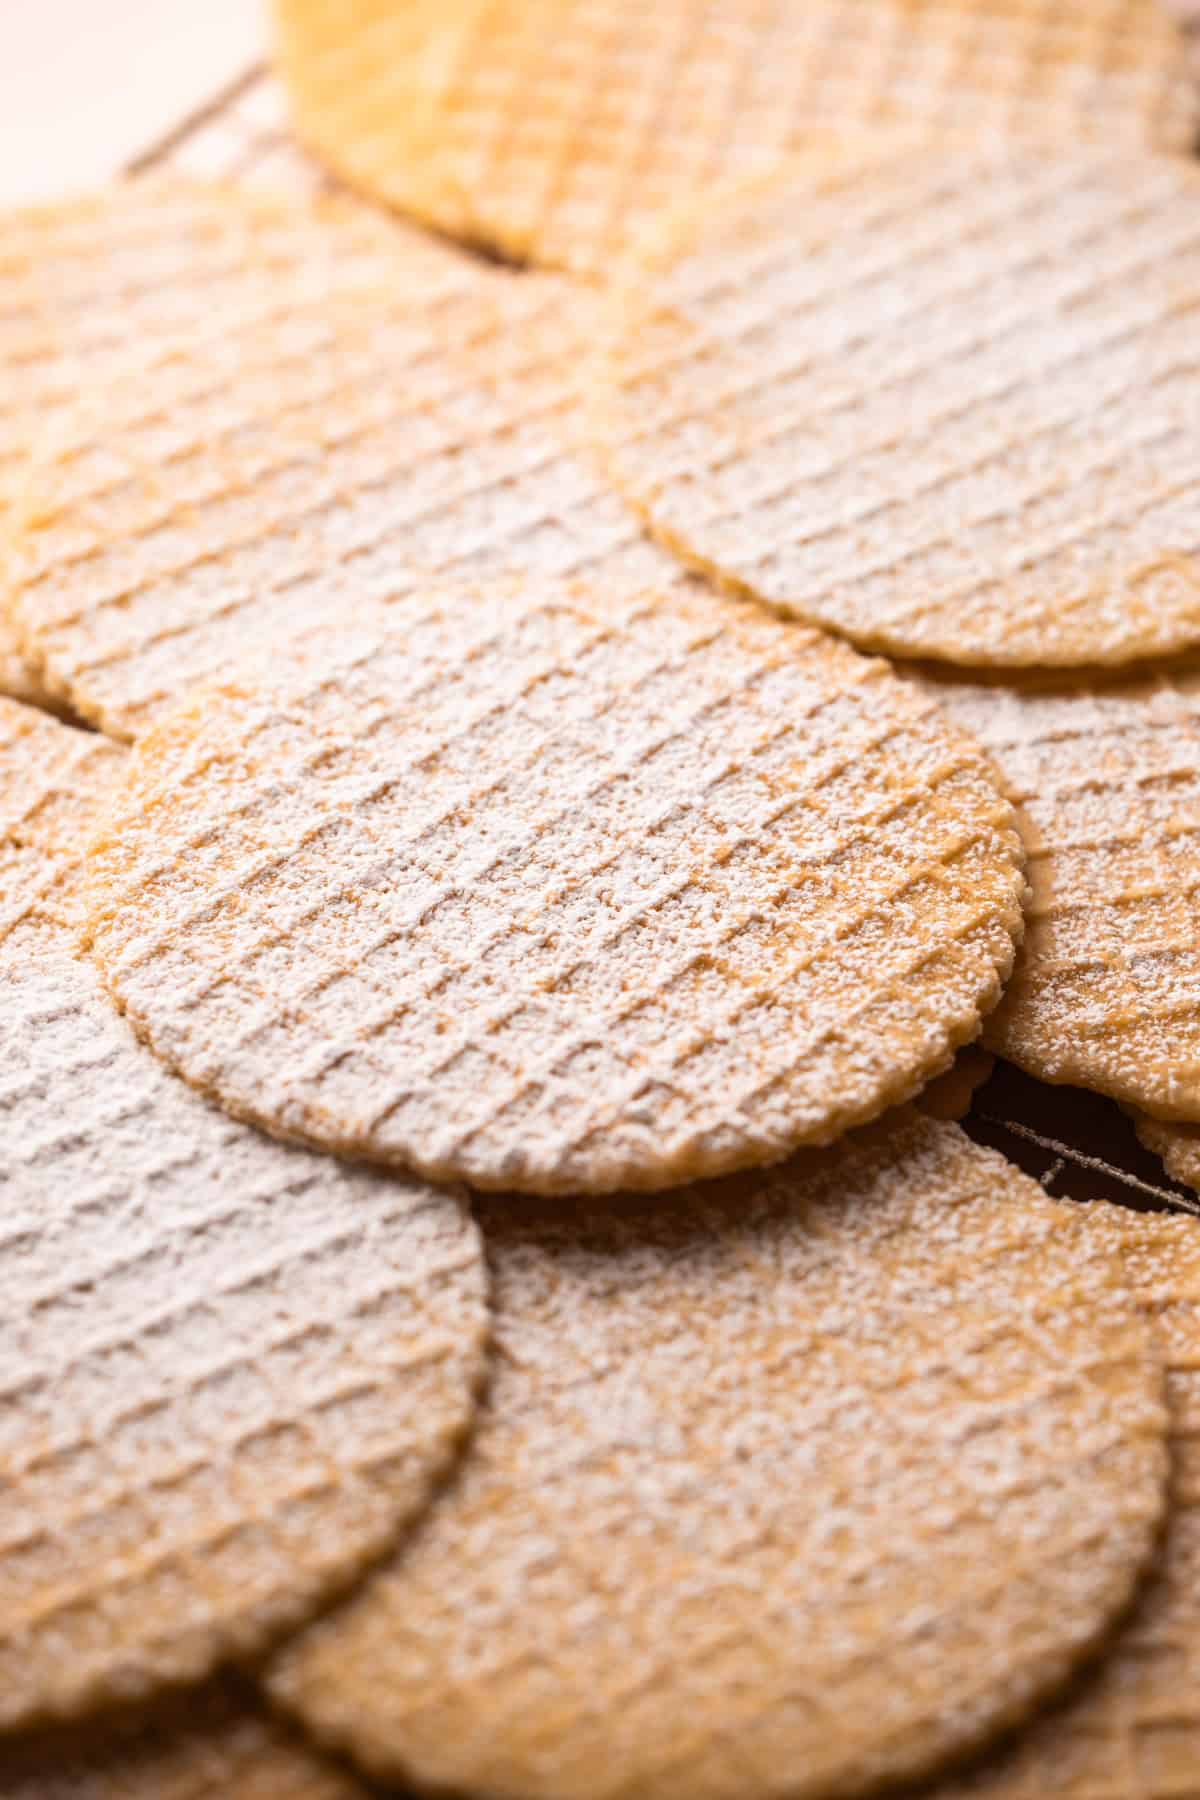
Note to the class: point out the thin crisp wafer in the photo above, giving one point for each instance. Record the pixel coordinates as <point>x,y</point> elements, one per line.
<point>1132,1729</point>
<point>547,889</point>
<point>181,523</point>
<point>1106,781</point>
<point>229,1370</point>
<point>86,281</point>
<point>949,1096</point>
<point>97,293</point>
<point>941,399</point>
<point>558,130</point>
<point>1178,1145</point>
<point>214,1744</point>
<point>816,1477</point>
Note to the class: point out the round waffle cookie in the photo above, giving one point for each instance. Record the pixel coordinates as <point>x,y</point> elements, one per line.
<point>548,890</point>
<point>819,1477</point>
<point>1178,1145</point>
<point>229,1371</point>
<point>100,279</point>
<point>943,400</point>
<point>556,130</point>
<point>158,302</point>
<point>232,491</point>
<point>1132,1728</point>
<point>1106,992</point>
<point>215,1744</point>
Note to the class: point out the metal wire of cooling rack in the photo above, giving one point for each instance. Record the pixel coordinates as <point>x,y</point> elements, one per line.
<point>240,135</point>
<point>1076,1144</point>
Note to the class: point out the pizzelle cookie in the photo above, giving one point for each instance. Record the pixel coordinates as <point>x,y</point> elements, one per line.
<point>545,889</point>
<point>1106,781</point>
<point>342,445</point>
<point>1133,1728</point>
<point>106,277</point>
<point>148,300</point>
<point>812,1477</point>
<point>942,400</point>
<point>213,1744</point>
<point>557,130</point>
<point>230,1371</point>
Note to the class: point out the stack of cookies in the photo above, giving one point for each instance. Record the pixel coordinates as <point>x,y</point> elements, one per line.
<point>497,1300</point>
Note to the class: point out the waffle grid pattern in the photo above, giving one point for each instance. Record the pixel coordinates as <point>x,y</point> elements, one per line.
<point>205,280</point>
<point>1107,790</point>
<point>916,1285</point>
<point>1133,1731</point>
<point>243,136</point>
<point>641,111</point>
<point>228,1369</point>
<point>637,928</point>
<point>796,443</point>
<point>183,523</point>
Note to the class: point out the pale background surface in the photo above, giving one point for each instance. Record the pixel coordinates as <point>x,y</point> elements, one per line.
<point>87,85</point>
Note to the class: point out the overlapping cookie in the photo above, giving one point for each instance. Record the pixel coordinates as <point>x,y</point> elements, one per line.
<point>1132,1728</point>
<point>557,130</point>
<point>949,1096</point>
<point>942,399</point>
<point>805,1480</point>
<point>1106,781</point>
<point>262,477</point>
<point>147,302</point>
<point>1178,1145</point>
<point>546,888</point>
<point>53,781</point>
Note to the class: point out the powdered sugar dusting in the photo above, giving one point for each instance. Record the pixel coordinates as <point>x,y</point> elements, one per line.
<point>1106,992</point>
<point>940,398</point>
<point>215,499</point>
<point>1133,1728</point>
<point>553,889</point>
<point>229,1371</point>
<point>820,1476</point>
